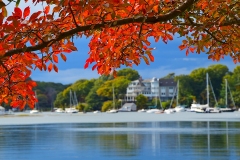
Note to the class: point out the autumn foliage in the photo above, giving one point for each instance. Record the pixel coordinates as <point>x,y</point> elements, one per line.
<point>119,31</point>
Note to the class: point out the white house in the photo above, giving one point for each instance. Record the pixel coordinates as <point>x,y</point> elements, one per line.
<point>151,88</point>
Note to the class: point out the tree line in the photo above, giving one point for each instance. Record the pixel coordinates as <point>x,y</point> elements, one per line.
<point>97,94</point>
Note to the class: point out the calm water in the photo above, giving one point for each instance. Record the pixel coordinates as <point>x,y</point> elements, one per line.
<point>123,141</point>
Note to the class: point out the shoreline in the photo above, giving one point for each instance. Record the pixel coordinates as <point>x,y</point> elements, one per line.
<point>121,117</point>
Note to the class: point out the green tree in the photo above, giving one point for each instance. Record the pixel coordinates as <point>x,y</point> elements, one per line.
<point>93,99</point>
<point>120,86</point>
<point>141,101</point>
<point>82,87</point>
<point>169,76</point>
<point>199,80</point>
<point>61,101</point>
<point>129,73</point>
<point>50,90</point>
<point>166,104</point>
<point>186,86</point>
<point>43,102</point>
<point>107,105</point>
<point>216,73</point>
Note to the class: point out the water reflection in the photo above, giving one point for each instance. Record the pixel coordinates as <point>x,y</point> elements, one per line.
<point>152,140</point>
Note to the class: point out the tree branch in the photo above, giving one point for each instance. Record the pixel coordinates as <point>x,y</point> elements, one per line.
<point>148,20</point>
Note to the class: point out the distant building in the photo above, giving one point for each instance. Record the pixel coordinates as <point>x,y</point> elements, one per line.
<point>167,89</point>
<point>128,107</point>
<point>2,110</point>
<point>151,88</point>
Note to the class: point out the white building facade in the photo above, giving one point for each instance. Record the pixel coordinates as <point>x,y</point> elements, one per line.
<point>151,88</point>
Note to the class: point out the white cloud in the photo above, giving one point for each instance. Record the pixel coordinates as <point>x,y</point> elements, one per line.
<point>64,76</point>
<point>162,71</point>
<point>189,59</point>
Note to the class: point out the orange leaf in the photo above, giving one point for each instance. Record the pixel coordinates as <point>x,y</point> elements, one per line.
<point>151,57</point>
<point>187,52</point>
<point>55,58</point>
<point>26,12</point>
<point>63,57</point>
<point>73,48</point>
<point>55,68</point>
<point>146,60</point>
<point>181,47</point>
<point>155,8</point>
<point>191,49</point>
<point>34,16</point>
<point>46,10</point>
<point>50,67</point>
<point>170,36</point>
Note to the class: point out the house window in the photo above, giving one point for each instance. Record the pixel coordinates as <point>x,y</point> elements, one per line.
<point>163,93</point>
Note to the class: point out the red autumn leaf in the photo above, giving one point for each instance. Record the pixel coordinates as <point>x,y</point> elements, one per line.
<point>151,57</point>
<point>26,12</point>
<point>181,47</point>
<point>17,12</point>
<point>34,16</point>
<point>170,36</point>
<point>50,67</point>
<point>55,68</point>
<point>63,57</point>
<point>94,67</point>
<point>187,52</point>
<point>46,10</point>
<point>191,49</point>
<point>55,58</point>
<point>86,65</point>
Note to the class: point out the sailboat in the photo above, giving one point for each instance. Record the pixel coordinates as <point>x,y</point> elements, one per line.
<point>155,110</point>
<point>73,104</point>
<point>196,107</point>
<point>178,107</point>
<point>206,108</point>
<point>113,110</point>
<point>170,109</point>
<point>227,109</point>
<point>35,110</point>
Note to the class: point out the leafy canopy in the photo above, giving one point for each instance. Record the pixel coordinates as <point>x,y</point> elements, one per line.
<point>119,32</point>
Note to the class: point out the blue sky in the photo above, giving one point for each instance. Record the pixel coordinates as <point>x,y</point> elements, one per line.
<point>168,59</point>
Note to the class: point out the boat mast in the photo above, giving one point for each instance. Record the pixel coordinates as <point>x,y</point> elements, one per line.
<point>177,91</point>
<point>207,89</point>
<point>174,93</point>
<point>36,98</point>
<point>226,92</point>
<point>70,104</point>
<point>159,97</point>
<point>213,92</point>
<point>113,99</point>
<point>231,95</point>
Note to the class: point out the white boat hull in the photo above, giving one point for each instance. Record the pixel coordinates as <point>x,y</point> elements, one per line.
<point>169,111</point>
<point>34,111</point>
<point>153,110</point>
<point>112,111</point>
<point>71,110</point>
<point>60,110</point>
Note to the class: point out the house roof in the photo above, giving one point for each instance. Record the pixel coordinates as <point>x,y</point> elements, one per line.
<point>167,82</point>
